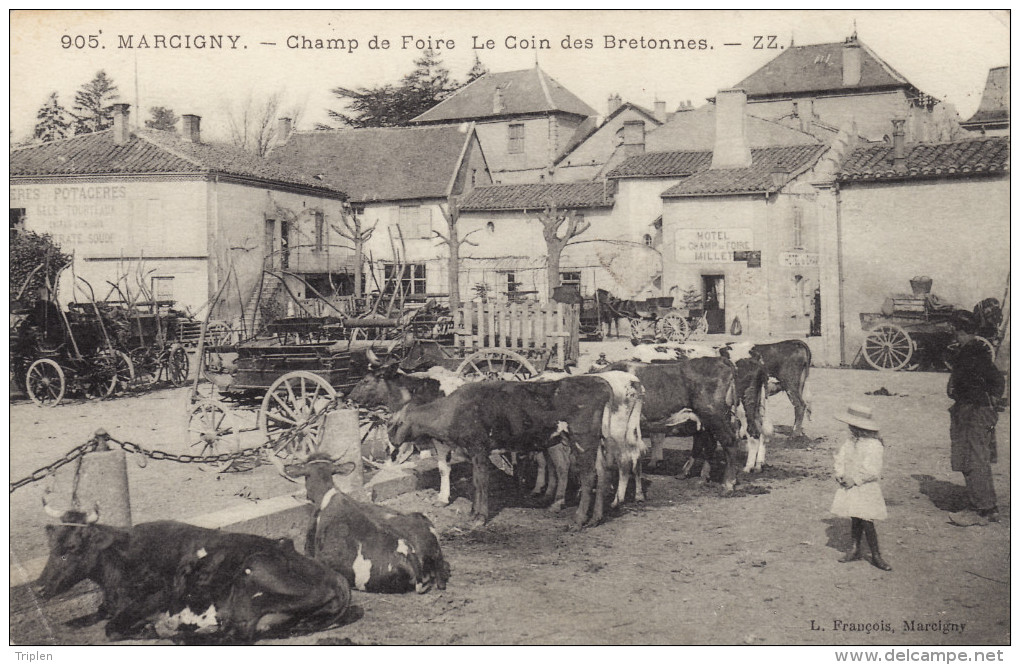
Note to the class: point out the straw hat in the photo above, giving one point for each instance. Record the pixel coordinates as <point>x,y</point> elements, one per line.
<point>859,416</point>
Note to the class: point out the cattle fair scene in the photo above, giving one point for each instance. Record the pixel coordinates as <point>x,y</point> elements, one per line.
<point>510,328</point>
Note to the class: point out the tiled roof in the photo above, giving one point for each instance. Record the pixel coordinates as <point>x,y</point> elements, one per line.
<point>989,155</point>
<point>520,92</point>
<point>695,130</point>
<point>663,164</point>
<point>530,197</point>
<point>149,152</point>
<point>759,177</point>
<point>381,164</point>
<point>995,99</point>
<point>818,67</point>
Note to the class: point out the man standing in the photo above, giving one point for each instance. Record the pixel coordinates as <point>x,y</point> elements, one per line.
<point>976,387</point>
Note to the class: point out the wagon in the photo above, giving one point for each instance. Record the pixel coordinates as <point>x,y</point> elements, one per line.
<point>54,353</point>
<point>911,331</point>
<point>151,336</point>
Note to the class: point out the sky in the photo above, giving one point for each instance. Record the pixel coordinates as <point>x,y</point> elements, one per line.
<point>944,53</point>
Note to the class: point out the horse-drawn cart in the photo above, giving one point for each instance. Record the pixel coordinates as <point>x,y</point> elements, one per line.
<point>915,331</point>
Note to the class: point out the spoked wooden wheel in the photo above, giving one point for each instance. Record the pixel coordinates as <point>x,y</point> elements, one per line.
<point>672,327</point>
<point>45,382</point>
<point>888,347</point>
<point>291,412</point>
<point>108,372</point>
<point>699,330</point>
<point>146,365</point>
<point>177,365</point>
<point>212,431</point>
<point>496,364</point>
<point>641,328</point>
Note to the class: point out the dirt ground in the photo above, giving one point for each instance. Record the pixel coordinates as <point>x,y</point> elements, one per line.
<point>689,566</point>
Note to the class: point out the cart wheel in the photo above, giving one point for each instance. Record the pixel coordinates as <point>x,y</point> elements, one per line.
<point>672,327</point>
<point>109,372</point>
<point>641,328</point>
<point>146,369</point>
<point>699,330</point>
<point>45,382</point>
<point>177,365</point>
<point>210,432</point>
<point>888,347</point>
<point>496,364</point>
<point>295,400</point>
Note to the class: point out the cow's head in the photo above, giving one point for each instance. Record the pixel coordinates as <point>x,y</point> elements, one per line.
<point>401,435</point>
<point>318,472</point>
<point>76,548</point>
<point>379,387</point>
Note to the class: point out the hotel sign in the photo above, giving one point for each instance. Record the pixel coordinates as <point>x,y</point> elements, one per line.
<point>712,245</point>
<point>798,259</point>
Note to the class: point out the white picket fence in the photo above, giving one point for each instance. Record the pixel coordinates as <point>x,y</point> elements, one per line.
<point>526,328</point>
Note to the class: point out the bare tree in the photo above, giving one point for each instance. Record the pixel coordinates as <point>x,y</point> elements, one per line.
<point>451,213</point>
<point>553,220</point>
<point>252,123</point>
<point>354,231</point>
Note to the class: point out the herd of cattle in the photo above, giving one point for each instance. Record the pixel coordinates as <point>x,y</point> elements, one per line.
<point>175,579</point>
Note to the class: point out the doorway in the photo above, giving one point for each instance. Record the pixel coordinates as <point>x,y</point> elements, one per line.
<point>713,289</point>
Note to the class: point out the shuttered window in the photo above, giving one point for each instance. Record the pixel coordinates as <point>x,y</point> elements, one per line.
<point>516,139</point>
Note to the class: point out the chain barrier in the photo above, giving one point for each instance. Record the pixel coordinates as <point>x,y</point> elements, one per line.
<point>285,442</point>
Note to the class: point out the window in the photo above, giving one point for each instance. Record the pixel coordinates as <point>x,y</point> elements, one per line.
<point>415,221</point>
<point>491,227</point>
<point>648,239</point>
<point>572,278</point>
<point>412,278</point>
<point>358,210</point>
<point>17,220</point>
<point>320,231</point>
<point>798,227</point>
<point>284,243</point>
<point>163,288</point>
<point>516,143</point>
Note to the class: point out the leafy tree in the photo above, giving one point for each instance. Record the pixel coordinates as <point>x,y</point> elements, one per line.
<point>477,71</point>
<point>35,262</point>
<point>54,122</point>
<point>93,104</point>
<point>163,118</point>
<point>394,105</point>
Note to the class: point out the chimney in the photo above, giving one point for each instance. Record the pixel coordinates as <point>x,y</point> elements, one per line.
<point>899,146</point>
<point>851,62</point>
<point>613,103</point>
<point>121,132</point>
<point>190,128</point>
<point>660,110</point>
<point>731,151</point>
<point>633,138</point>
<point>283,129</point>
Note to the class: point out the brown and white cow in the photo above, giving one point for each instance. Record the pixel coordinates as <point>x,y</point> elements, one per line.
<point>595,418</point>
<point>695,397</point>
<point>375,548</point>
<point>789,363</point>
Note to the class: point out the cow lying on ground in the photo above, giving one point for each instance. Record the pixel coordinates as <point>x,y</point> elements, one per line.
<point>191,579</point>
<point>596,418</point>
<point>694,397</point>
<point>375,548</point>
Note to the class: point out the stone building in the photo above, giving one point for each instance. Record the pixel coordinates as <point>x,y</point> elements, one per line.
<point>172,214</point>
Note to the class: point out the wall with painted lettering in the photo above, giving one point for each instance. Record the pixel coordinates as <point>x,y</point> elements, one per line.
<point>123,230</point>
<point>954,231</point>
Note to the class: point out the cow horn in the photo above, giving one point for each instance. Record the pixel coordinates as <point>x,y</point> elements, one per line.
<point>92,516</point>
<point>50,510</point>
<point>373,360</point>
<point>278,463</point>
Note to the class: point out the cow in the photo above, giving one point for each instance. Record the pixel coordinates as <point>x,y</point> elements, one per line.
<point>789,363</point>
<point>752,390</point>
<point>189,579</point>
<point>579,412</point>
<point>375,548</point>
<point>695,397</point>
